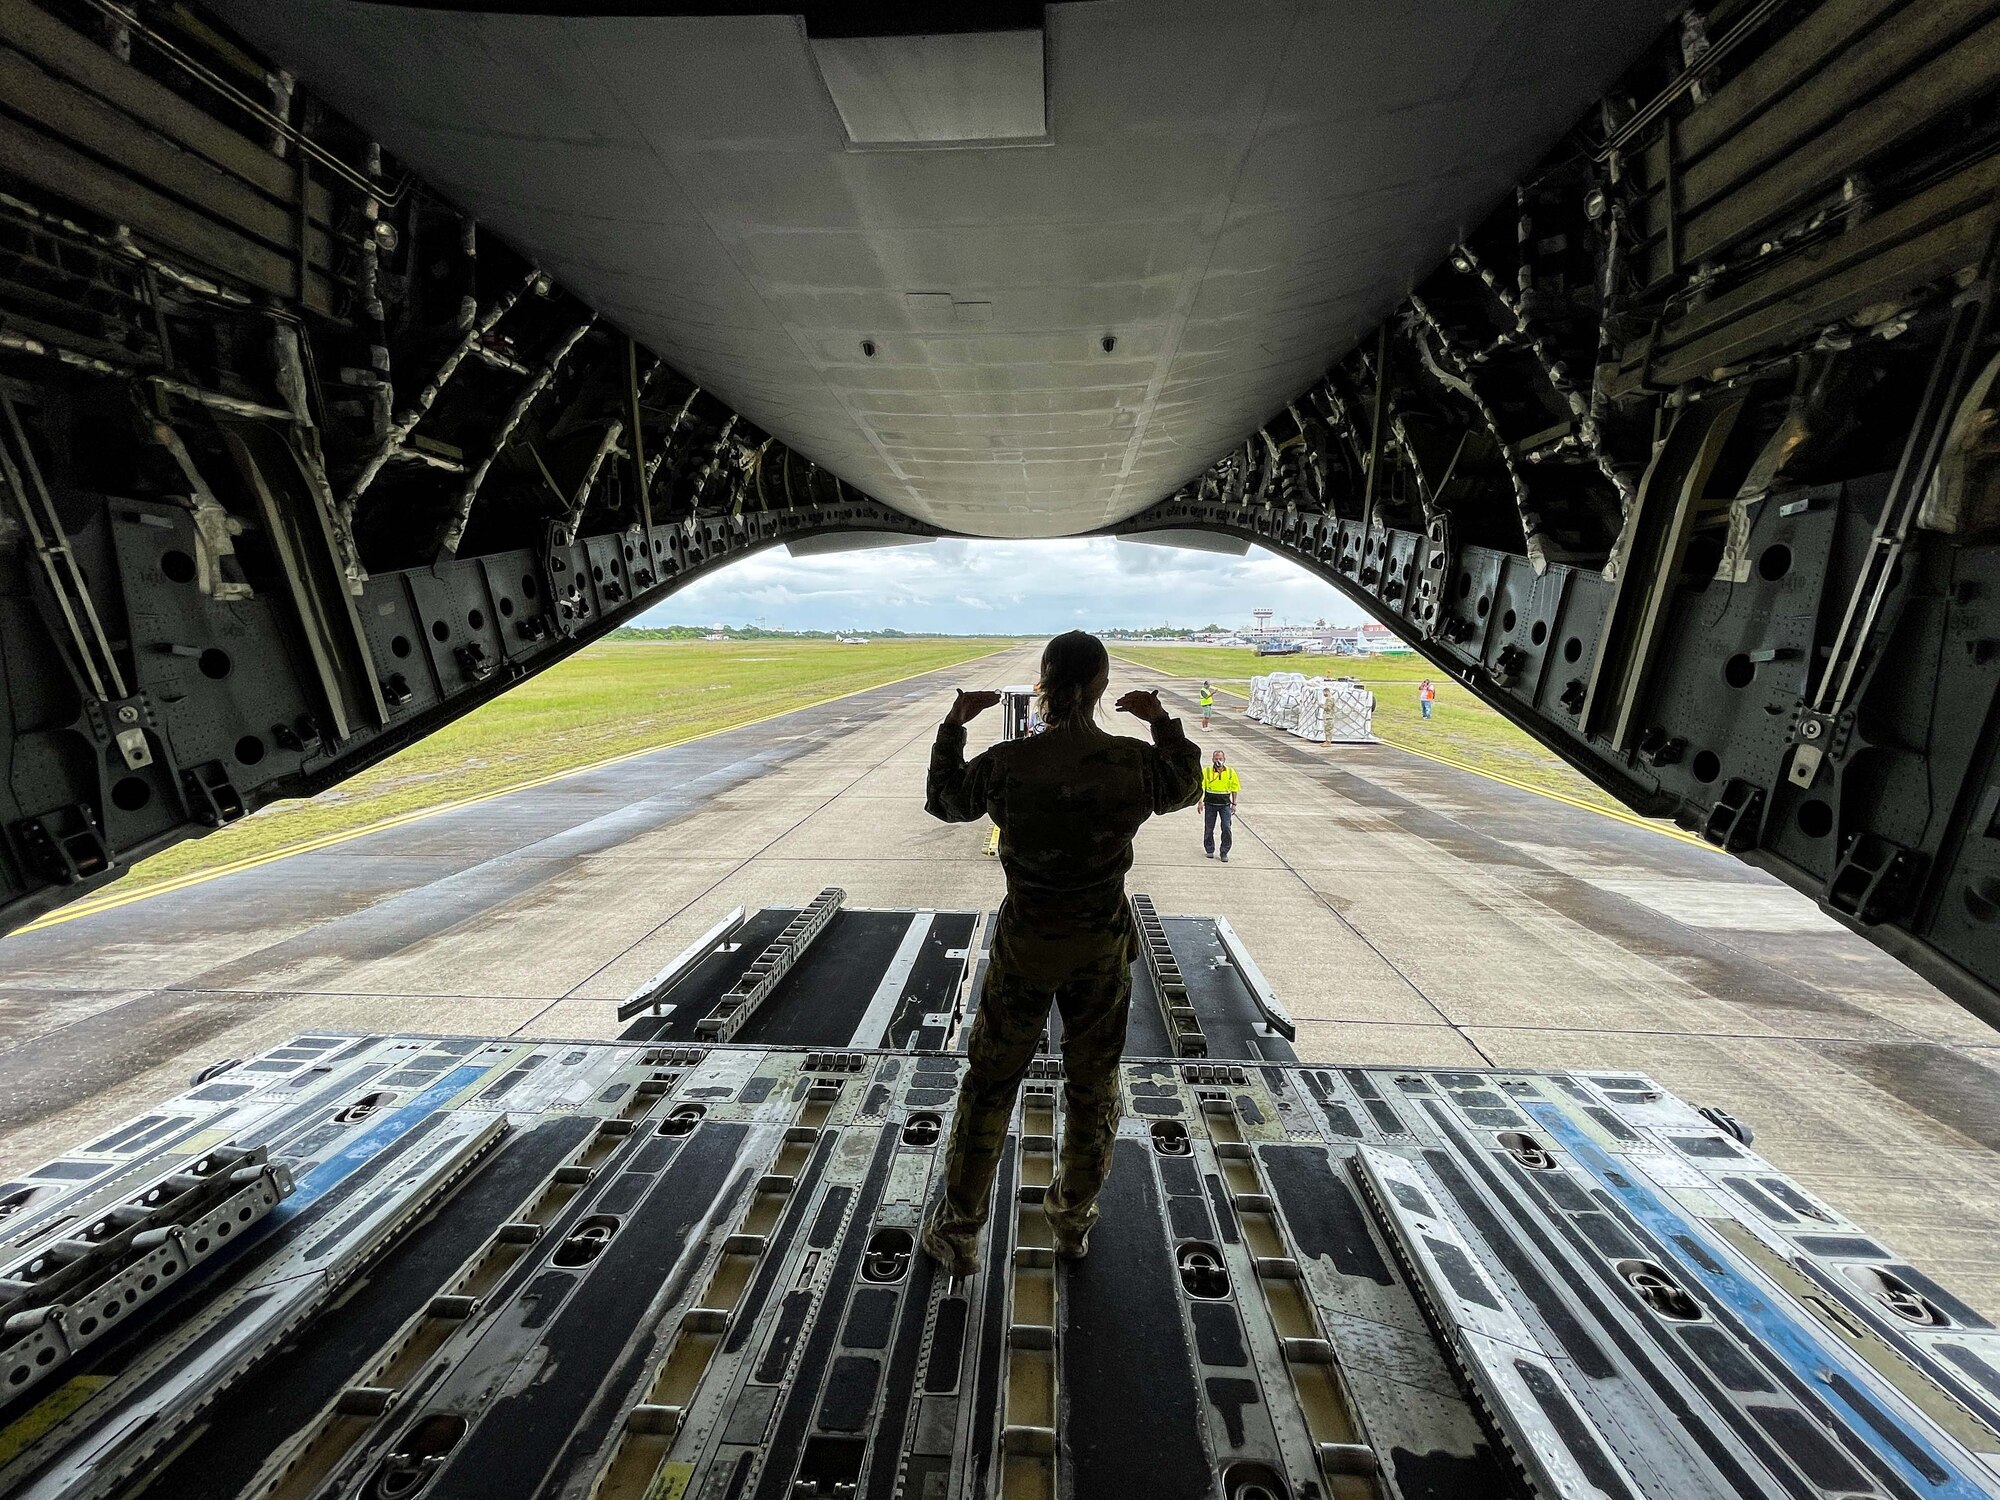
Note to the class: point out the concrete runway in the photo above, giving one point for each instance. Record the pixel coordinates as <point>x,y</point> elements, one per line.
<point>1405,911</point>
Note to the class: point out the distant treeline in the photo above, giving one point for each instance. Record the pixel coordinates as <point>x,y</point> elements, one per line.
<point>754,633</point>
<point>762,633</point>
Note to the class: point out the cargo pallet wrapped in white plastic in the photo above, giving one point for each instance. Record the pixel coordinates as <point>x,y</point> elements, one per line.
<point>1327,711</point>
<point>1270,695</point>
<point>1346,713</point>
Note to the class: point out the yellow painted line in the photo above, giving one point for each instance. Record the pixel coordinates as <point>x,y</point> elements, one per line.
<point>112,900</point>
<point>1652,825</point>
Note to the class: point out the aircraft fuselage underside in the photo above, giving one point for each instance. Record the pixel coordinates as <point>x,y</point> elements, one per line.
<point>1683,459</point>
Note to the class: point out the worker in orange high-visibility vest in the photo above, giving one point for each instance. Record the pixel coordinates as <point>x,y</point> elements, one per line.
<point>1426,696</point>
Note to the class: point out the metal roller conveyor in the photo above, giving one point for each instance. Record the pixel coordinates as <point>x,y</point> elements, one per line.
<point>739,1003</point>
<point>1177,1012</point>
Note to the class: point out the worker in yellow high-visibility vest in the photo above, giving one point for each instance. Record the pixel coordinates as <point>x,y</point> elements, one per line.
<point>1207,703</point>
<point>1219,786</point>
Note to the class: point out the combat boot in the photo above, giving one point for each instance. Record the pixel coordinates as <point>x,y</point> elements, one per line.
<point>1069,1230</point>
<point>1072,1242</point>
<point>957,1250</point>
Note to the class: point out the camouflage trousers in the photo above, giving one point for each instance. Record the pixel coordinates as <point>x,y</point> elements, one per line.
<point>1094,1002</point>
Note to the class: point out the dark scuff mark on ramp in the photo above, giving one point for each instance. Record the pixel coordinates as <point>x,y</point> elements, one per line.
<point>1326,1219</point>
<point>1449,1476</point>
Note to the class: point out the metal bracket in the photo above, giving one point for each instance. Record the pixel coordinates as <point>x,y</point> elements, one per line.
<point>123,722</point>
<point>212,797</point>
<point>1815,737</point>
<point>1875,879</point>
<point>67,845</point>
<point>1733,821</point>
<point>1658,748</point>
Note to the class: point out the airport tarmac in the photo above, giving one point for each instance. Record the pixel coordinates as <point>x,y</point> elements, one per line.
<point>1404,911</point>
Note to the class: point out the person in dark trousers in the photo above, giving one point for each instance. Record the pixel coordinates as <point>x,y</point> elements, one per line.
<point>1219,786</point>
<point>1068,802</point>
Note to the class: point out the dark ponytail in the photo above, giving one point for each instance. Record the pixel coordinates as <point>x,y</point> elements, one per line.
<point>1075,671</point>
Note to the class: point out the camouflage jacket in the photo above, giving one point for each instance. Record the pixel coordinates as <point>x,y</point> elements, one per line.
<point>1067,802</point>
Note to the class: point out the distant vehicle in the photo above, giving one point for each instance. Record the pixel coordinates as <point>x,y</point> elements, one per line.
<point>1279,648</point>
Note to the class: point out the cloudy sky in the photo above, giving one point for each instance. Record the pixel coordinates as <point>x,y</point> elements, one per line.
<point>973,587</point>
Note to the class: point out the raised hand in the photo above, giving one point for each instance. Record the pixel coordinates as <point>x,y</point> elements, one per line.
<point>968,706</point>
<point>1142,705</point>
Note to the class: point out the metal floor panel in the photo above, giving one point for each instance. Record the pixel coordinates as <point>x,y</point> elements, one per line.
<point>644,1269</point>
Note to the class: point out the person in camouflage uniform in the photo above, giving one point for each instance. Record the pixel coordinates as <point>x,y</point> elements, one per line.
<point>1067,802</point>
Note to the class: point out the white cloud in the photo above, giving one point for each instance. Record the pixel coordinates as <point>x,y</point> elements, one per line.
<point>961,585</point>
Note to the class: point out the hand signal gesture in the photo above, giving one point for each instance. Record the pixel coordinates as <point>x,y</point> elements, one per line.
<point>968,706</point>
<point>1142,705</point>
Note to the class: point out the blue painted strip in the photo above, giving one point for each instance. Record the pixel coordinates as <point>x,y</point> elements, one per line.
<point>385,1132</point>
<point>1814,1359</point>
<point>315,1185</point>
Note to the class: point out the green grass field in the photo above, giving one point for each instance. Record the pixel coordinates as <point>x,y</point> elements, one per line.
<point>1461,728</point>
<point>608,700</point>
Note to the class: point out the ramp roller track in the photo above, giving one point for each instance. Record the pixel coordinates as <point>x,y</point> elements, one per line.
<point>739,1003</point>
<point>1177,1011</point>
